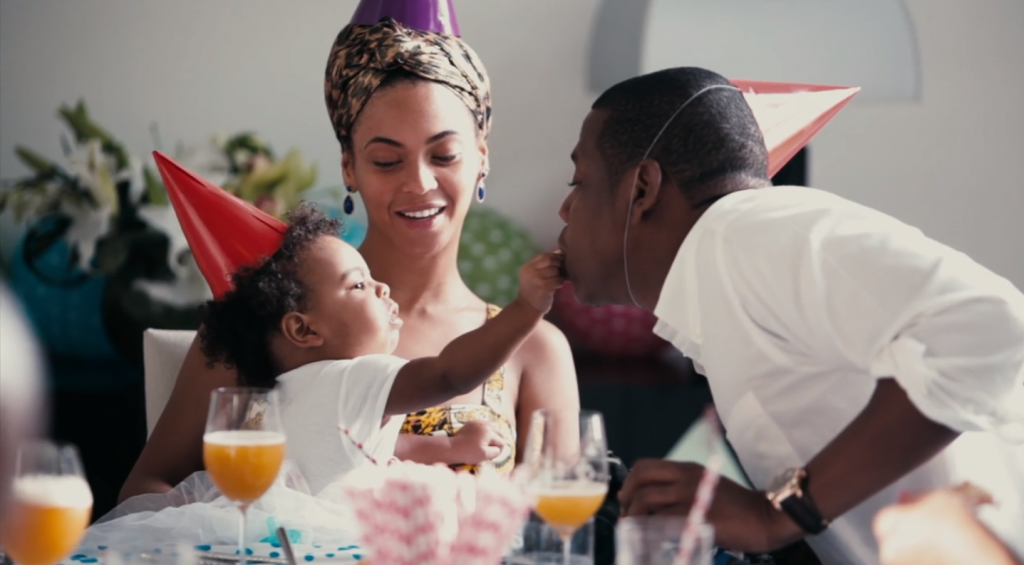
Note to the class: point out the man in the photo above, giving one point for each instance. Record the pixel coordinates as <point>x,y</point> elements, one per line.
<point>845,351</point>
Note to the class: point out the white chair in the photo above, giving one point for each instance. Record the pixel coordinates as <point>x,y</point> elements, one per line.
<point>163,353</point>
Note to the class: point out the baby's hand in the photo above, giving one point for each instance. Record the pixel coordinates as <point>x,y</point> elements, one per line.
<point>475,442</point>
<point>539,278</point>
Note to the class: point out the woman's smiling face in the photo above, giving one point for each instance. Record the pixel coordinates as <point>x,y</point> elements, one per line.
<point>416,159</point>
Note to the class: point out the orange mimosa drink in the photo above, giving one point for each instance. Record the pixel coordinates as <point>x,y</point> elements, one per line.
<point>568,506</point>
<point>243,463</point>
<point>46,518</point>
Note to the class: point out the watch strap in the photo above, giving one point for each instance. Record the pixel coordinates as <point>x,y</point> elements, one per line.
<point>803,511</point>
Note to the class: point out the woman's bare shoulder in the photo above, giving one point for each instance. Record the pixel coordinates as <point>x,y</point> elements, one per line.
<point>548,339</point>
<point>546,355</point>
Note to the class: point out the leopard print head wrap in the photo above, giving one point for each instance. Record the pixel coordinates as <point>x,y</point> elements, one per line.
<point>363,57</point>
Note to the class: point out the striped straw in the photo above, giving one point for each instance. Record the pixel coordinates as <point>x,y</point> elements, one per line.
<point>705,491</point>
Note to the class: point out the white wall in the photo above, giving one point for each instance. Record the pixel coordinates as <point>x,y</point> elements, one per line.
<point>951,165</point>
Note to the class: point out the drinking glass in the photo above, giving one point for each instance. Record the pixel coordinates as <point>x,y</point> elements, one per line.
<point>565,469</point>
<point>50,506</point>
<point>540,544</point>
<point>654,540</point>
<point>243,447</point>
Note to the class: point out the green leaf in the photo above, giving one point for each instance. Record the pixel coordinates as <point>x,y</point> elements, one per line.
<point>263,182</point>
<point>154,188</point>
<point>20,204</point>
<point>30,198</point>
<point>248,141</point>
<point>78,120</point>
<point>24,203</point>
<point>41,165</point>
<point>106,193</point>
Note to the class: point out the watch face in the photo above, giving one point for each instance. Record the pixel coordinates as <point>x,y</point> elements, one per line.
<point>782,480</point>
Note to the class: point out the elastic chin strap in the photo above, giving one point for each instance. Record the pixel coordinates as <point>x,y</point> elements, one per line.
<point>636,177</point>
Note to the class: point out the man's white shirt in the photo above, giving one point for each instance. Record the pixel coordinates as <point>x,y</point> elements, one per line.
<point>794,301</point>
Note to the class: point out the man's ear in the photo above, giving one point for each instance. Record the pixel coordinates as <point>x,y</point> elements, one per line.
<point>296,329</point>
<point>646,191</point>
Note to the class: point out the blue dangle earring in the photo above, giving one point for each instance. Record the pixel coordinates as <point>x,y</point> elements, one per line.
<point>481,191</point>
<point>349,206</point>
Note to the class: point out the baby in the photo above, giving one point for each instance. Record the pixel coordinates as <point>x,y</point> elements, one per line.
<point>312,321</point>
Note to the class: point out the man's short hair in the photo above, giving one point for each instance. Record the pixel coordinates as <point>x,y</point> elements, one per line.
<point>713,137</point>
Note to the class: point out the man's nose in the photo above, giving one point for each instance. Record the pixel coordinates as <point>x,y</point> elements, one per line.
<point>563,212</point>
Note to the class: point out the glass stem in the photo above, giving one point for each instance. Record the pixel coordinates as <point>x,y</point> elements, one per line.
<point>241,533</point>
<point>566,548</point>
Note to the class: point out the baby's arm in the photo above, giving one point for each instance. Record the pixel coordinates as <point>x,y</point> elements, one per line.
<point>476,441</point>
<point>468,360</point>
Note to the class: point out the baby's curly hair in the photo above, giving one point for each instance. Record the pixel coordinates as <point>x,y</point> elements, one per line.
<point>239,326</point>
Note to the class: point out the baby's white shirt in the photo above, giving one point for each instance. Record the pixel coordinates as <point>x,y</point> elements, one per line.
<point>318,399</point>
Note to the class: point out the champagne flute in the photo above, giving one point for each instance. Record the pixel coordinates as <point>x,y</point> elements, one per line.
<point>243,447</point>
<point>565,469</point>
<point>50,506</point>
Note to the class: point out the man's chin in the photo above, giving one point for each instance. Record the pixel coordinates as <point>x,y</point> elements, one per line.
<point>585,295</point>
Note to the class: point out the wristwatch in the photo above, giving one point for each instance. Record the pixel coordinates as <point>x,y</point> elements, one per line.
<point>788,493</point>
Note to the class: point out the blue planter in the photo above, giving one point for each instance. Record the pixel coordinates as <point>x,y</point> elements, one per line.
<point>68,318</point>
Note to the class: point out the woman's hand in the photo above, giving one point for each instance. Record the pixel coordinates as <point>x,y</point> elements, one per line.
<point>539,278</point>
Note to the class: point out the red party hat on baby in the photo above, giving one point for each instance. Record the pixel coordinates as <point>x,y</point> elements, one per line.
<point>790,113</point>
<point>223,231</point>
<point>437,16</point>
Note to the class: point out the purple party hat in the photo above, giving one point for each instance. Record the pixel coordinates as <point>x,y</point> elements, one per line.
<point>437,16</point>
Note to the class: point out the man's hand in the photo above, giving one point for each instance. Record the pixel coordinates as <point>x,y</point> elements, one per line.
<point>539,278</point>
<point>743,519</point>
<point>475,442</point>
<point>939,528</point>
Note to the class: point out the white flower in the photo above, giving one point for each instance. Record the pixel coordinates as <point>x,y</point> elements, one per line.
<point>87,226</point>
<point>94,172</point>
<point>136,180</point>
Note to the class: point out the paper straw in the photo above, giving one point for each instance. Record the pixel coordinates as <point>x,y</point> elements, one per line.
<point>705,491</point>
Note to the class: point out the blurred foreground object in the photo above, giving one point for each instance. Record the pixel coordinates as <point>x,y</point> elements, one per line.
<point>21,377</point>
<point>939,528</point>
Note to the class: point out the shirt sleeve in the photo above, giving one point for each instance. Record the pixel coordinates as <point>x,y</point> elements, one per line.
<point>363,395</point>
<point>877,296</point>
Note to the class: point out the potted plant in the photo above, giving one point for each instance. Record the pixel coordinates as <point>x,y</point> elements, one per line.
<point>101,229</point>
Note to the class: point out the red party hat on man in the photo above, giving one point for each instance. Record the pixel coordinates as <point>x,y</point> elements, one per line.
<point>790,113</point>
<point>436,16</point>
<point>223,231</point>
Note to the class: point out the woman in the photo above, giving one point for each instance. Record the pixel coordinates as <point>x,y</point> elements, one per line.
<point>412,112</point>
